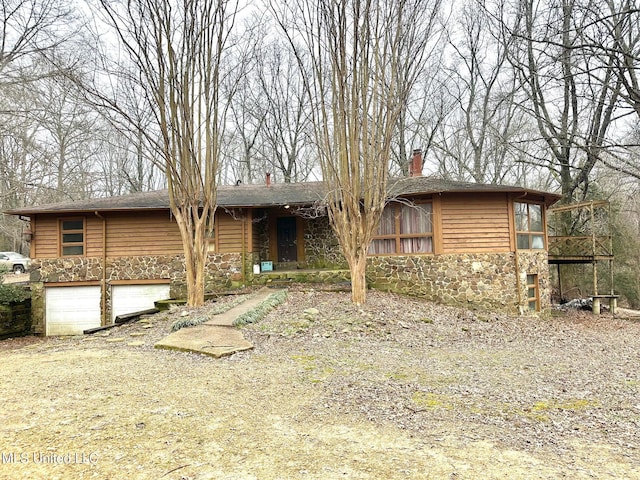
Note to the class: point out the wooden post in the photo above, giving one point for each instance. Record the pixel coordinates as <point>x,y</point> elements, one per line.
<point>596,306</point>
<point>613,304</point>
<point>560,283</point>
<point>593,252</point>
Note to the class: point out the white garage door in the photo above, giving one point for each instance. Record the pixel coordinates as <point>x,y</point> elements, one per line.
<point>71,310</point>
<point>135,298</point>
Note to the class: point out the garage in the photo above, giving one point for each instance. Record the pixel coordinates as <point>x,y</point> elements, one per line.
<point>71,310</point>
<point>135,298</point>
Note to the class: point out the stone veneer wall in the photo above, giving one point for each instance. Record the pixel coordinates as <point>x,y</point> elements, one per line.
<point>322,249</point>
<point>479,281</point>
<point>223,272</point>
<point>535,262</point>
<point>484,281</point>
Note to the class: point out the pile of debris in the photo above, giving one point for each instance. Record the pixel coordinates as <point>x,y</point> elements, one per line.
<point>576,304</point>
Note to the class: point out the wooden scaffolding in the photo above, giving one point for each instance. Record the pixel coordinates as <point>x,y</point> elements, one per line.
<point>588,241</point>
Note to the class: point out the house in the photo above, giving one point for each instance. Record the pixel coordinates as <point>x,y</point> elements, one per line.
<point>481,246</point>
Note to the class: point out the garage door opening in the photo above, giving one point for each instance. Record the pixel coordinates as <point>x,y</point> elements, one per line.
<point>71,310</point>
<point>135,298</point>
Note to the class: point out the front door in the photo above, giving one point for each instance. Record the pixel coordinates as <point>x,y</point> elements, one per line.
<point>287,244</point>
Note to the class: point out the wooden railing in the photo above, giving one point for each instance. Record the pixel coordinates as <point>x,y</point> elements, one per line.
<point>575,246</point>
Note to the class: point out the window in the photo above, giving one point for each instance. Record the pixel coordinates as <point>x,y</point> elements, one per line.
<point>532,293</point>
<point>404,229</point>
<point>72,236</point>
<point>529,226</point>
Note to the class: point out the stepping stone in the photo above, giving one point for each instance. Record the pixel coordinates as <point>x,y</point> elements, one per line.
<point>214,341</point>
<point>137,334</point>
<point>135,344</point>
<point>114,340</point>
<point>148,325</point>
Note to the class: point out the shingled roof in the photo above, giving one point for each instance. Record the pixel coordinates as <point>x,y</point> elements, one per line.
<point>276,194</point>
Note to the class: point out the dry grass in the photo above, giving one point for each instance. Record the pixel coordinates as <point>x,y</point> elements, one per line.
<point>399,389</point>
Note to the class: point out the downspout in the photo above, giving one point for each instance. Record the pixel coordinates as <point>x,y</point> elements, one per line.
<point>516,257</point>
<point>244,266</point>
<point>103,283</point>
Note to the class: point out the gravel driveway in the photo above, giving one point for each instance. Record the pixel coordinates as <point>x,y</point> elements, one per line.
<point>398,389</point>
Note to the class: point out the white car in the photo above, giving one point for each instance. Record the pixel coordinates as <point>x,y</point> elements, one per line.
<point>14,262</point>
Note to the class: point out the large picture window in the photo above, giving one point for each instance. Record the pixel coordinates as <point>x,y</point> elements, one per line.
<point>72,236</point>
<point>404,229</point>
<point>529,226</point>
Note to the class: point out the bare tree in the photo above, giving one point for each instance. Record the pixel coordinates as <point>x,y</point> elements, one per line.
<point>473,143</point>
<point>287,133</point>
<point>178,54</point>
<point>30,31</point>
<point>247,114</point>
<point>616,31</point>
<point>271,122</point>
<point>571,95</point>
<point>427,108</point>
<point>362,59</point>
<point>612,36</point>
<point>121,163</point>
<point>125,159</point>
<point>67,126</point>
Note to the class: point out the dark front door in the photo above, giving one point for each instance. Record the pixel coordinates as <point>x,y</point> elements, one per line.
<point>287,245</point>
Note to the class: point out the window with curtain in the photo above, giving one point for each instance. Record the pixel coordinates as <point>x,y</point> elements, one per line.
<point>404,229</point>
<point>529,226</point>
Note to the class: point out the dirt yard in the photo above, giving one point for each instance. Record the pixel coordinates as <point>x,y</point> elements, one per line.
<point>400,389</point>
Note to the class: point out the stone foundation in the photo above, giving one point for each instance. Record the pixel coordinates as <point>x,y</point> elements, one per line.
<point>535,262</point>
<point>478,281</point>
<point>223,272</point>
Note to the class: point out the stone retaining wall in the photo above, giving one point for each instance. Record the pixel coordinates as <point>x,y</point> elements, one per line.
<point>303,276</point>
<point>15,319</point>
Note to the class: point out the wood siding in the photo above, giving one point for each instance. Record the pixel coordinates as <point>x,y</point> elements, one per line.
<point>45,241</point>
<point>463,223</point>
<point>128,234</point>
<point>229,232</point>
<point>134,233</point>
<point>138,233</point>
<point>474,223</point>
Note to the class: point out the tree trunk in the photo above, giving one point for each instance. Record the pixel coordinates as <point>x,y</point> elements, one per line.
<point>195,275</point>
<point>193,235</point>
<point>358,269</point>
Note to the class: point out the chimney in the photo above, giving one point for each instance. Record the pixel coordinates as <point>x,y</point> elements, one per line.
<point>415,166</point>
<point>268,179</point>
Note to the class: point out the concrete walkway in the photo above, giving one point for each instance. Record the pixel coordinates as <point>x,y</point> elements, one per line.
<point>216,337</point>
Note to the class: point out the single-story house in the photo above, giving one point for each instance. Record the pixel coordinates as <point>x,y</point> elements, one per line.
<point>480,246</point>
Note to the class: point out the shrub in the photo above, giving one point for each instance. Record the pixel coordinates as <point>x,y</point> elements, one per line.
<point>261,310</point>
<point>13,294</point>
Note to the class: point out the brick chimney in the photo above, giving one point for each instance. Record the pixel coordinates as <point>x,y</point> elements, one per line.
<point>268,179</point>
<point>415,166</point>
